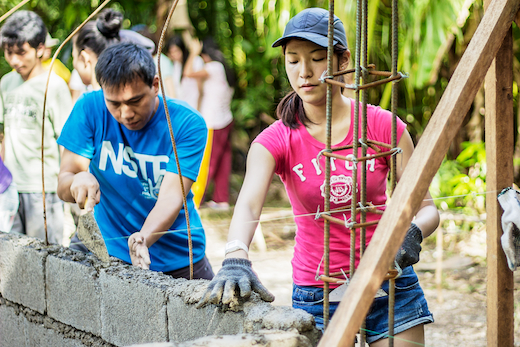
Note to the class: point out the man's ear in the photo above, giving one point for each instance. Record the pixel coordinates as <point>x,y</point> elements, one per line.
<point>344,60</point>
<point>40,50</point>
<point>155,85</point>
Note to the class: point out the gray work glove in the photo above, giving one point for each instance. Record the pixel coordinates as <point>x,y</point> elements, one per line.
<point>408,254</point>
<point>509,200</point>
<point>236,275</point>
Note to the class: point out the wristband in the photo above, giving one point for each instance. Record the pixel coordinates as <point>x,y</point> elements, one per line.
<point>235,245</point>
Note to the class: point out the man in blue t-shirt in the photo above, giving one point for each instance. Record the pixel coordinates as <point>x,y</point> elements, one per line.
<point>118,154</point>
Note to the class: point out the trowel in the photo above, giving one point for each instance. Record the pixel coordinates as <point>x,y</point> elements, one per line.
<point>89,233</point>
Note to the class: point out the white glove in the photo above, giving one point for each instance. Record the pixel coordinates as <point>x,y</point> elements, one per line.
<point>509,199</point>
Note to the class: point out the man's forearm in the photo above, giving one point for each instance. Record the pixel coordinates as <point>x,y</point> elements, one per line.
<point>160,220</point>
<point>64,182</point>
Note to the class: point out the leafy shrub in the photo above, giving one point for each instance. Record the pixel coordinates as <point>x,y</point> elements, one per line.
<point>460,184</point>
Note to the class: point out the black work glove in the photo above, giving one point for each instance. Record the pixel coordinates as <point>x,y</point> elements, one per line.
<point>236,273</point>
<point>408,254</point>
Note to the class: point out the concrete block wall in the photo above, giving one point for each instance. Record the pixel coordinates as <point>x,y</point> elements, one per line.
<point>54,296</point>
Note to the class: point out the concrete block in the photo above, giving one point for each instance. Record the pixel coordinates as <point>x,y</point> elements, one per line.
<point>73,294</point>
<point>11,327</point>
<point>263,338</point>
<point>22,275</point>
<point>133,306</point>
<point>37,335</point>
<point>185,322</point>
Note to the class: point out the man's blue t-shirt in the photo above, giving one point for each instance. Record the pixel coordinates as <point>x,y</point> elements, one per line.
<point>130,166</point>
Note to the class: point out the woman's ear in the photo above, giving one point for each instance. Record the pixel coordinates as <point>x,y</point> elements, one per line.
<point>84,57</point>
<point>344,60</point>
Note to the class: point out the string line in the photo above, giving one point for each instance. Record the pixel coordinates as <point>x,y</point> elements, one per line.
<point>313,214</point>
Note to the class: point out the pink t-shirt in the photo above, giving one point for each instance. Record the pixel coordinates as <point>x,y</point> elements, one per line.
<point>295,152</point>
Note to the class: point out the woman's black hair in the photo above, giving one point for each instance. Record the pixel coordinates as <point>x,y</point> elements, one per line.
<point>210,47</point>
<point>179,42</point>
<point>101,33</point>
<point>290,109</point>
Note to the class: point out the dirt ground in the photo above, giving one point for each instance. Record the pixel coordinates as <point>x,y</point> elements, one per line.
<point>458,306</point>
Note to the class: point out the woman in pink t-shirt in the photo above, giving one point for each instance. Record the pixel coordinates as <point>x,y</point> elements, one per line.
<point>290,148</point>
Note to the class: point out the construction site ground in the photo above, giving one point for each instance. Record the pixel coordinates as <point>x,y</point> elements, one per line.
<point>458,304</point>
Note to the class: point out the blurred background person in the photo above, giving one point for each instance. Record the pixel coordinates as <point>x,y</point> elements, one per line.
<point>166,63</point>
<point>188,89</point>
<point>217,91</point>
<point>58,67</point>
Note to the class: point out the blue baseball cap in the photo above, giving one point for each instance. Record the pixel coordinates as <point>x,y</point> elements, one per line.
<point>312,24</point>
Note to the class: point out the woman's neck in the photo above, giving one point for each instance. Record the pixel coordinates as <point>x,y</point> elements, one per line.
<point>340,122</point>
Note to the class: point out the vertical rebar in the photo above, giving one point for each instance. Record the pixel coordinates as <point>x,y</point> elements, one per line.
<point>54,57</point>
<point>393,181</point>
<point>363,183</point>
<point>326,231</point>
<point>355,142</point>
<point>172,137</point>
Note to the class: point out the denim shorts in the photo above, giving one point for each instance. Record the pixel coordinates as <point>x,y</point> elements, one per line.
<point>410,310</point>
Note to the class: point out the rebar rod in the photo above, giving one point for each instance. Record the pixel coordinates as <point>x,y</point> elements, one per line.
<point>174,145</point>
<point>54,57</point>
<point>393,176</point>
<point>326,231</point>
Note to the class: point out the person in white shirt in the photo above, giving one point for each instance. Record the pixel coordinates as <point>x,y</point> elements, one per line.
<point>218,89</point>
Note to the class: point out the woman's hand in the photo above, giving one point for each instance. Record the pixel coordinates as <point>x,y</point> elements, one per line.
<point>139,251</point>
<point>236,279</point>
<point>195,46</point>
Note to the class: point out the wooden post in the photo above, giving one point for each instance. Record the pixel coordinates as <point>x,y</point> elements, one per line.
<point>499,155</point>
<point>438,268</point>
<point>421,169</point>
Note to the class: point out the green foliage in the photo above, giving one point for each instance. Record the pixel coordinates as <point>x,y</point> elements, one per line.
<point>245,30</point>
<point>460,184</point>
<point>62,17</point>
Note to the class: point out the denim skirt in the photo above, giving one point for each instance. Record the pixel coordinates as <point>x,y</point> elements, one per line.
<point>410,310</point>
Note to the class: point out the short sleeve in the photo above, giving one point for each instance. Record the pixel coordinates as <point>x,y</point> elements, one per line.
<point>381,125</point>
<point>275,139</point>
<point>190,140</point>
<point>78,132</point>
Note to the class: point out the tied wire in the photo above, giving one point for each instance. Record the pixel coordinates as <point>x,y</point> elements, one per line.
<point>172,137</point>
<point>54,57</point>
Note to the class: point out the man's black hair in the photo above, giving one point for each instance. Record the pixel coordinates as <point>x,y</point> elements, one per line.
<point>22,27</point>
<point>121,64</point>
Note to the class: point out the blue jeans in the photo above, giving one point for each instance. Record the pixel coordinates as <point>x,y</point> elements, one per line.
<point>410,310</point>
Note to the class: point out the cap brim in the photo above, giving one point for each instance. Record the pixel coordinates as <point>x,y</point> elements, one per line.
<point>51,42</point>
<point>320,40</point>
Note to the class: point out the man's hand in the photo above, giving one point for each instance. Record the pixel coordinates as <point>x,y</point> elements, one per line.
<point>139,251</point>
<point>408,254</point>
<point>85,190</point>
<point>235,278</point>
